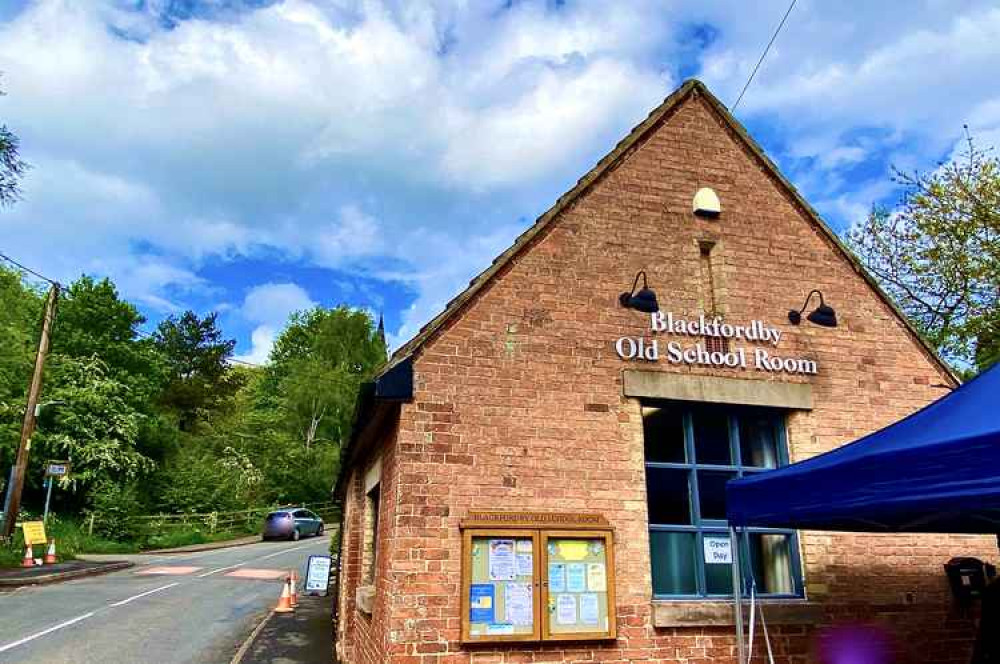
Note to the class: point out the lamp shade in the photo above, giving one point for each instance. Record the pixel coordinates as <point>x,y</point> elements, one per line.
<point>824,316</point>
<point>644,301</point>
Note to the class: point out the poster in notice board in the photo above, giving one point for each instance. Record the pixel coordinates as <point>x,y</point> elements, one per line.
<point>501,587</point>
<point>578,598</point>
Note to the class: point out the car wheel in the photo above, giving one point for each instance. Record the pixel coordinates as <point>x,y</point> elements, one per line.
<point>296,535</point>
<point>319,531</point>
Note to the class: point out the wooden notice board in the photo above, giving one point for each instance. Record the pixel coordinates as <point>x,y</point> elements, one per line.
<point>532,582</point>
<point>501,590</point>
<point>577,594</point>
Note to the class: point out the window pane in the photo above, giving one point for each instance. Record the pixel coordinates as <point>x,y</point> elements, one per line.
<point>712,493</point>
<point>669,496</point>
<point>718,575</point>
<point>663,434</point>
<point>771,557</point>
<point>711,436</point>
<point>674,561</point>
<point>759,439</point>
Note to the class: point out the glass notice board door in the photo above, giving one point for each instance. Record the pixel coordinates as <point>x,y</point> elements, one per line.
<point>500,599</point>
<point>578,591</point>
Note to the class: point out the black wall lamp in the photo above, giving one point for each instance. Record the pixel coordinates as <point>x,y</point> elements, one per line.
<point>644,300</point>
<point>823,315</point>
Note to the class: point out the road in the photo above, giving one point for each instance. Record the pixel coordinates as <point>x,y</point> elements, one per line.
<point>182,608</point>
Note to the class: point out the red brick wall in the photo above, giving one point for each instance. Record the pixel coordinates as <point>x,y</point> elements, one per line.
<point>362,637</point>
<point>501,418</point>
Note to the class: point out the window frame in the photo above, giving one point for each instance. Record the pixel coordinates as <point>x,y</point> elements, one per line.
<point>701,527</point>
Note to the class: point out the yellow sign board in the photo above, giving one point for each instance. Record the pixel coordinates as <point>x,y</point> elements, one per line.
<point>34,532</point>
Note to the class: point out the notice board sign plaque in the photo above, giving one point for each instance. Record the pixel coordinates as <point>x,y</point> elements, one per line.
<point>579,600</point>
<point>34,532</point>
<point>57,469</point>
<point>535,583</point>
<point>318,575</point>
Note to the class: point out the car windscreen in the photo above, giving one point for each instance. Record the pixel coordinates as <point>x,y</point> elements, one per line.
<point>274,516</point>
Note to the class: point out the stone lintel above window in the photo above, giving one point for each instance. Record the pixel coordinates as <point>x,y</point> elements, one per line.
<point>713,389</point>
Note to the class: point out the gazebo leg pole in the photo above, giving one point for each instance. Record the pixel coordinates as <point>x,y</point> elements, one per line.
<point>737,596</point>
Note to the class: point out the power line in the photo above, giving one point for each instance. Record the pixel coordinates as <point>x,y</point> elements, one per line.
<point>763,55</point>
<point>141,333</point>
<point>28,269</point>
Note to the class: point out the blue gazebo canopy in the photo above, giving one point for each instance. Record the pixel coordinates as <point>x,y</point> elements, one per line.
<point>937,470</point>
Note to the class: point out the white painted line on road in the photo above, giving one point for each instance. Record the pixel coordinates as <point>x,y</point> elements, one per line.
<point>270,555</point>
<point>148,592</point>
<point>278,553</point>
<point>250,560</point>
<point>196,554</point>
<point>221,569</point>
<point>19,642</point>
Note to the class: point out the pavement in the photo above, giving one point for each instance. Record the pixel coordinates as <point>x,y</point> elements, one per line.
<point>11,577</point>
<point>303,637</point>
<point>182,608</point>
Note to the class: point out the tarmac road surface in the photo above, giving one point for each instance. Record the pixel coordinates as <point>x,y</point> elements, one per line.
<point>178,608</point>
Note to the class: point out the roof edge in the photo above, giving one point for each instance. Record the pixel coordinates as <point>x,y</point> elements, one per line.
<point>690,86</point>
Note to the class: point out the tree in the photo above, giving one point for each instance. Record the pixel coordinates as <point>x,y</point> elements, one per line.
<point>938,255</point>
<point>94,321</point>
<point>95,428</point>
<point>12,167</point>
<point>317,366</point>
<point>22,308</point>
<point>199,377</point>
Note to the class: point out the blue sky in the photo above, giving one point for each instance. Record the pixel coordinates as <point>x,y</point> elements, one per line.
<point>255,157</point>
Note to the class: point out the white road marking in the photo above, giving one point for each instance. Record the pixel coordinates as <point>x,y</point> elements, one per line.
<point>71,621</point>
<point>148,592</point>
<point>250,560</point>
<point>195,554</point>
<point>278,553</point>
<point>221,569</point>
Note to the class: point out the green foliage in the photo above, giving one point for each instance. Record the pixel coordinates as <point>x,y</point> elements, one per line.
<point>115,502</point>
<point>96,429</point>
<point>168,424</point>
<point>12,167</point>
<point>93,321</point>
<point>22,309</point>
<point>202,480</point>
<point>938,255</point>
<point>317,366</point>
<point>199,377</point>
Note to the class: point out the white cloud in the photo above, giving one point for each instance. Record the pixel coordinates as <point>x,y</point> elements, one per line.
<point>274,303</point>
<point>261,342</point>
<point>267,307</point>
<point>408,141</point>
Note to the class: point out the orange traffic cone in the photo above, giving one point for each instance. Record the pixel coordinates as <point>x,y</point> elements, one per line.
<point>293,581</point>
<point>29,557</point>
<point>285,600</point>
<point>50,555</point>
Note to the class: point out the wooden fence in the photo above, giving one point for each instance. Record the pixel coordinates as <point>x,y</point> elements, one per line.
<point>248,520</point>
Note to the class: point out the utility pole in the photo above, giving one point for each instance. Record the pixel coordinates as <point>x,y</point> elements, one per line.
<point>13,502</point>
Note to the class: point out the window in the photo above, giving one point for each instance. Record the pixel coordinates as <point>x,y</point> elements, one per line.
<point>371,533</point>
<point>692,450</point>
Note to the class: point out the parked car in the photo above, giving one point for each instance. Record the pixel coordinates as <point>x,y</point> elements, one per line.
<point>292,523</point>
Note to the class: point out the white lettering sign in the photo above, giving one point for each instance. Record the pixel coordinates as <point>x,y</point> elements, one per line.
<point>732,357</point>
<point>718,551</point>
<point>318,574</point>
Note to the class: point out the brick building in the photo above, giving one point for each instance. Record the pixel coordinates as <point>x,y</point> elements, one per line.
<point>539,406</point>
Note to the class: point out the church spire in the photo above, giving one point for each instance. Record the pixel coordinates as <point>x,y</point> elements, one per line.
<point>381,330</point>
